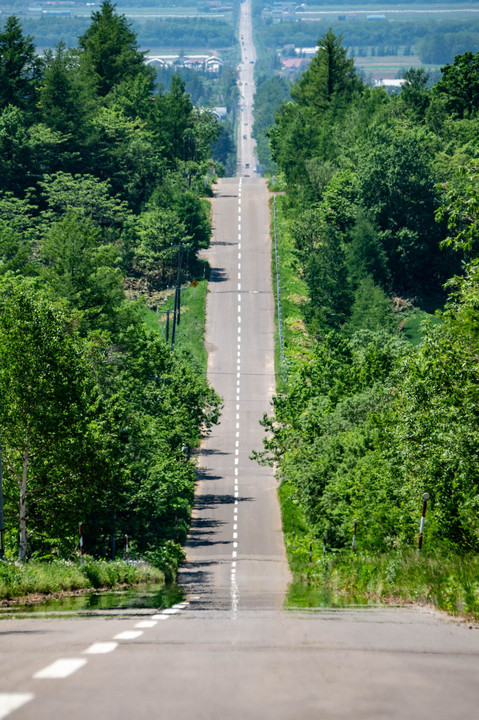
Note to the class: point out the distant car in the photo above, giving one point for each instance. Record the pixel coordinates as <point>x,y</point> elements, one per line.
<point>247,165</point>
<point>245,137</point>
<point>251,62</point>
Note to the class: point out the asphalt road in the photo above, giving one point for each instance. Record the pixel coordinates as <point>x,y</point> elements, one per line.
<point>231,652</point>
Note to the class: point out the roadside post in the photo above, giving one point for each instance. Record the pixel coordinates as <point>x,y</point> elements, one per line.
<point>127,549</point>
<point>80,533</point>
<point>425,498</point>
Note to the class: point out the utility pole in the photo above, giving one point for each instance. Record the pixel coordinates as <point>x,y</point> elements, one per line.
<point>177,310</point>
<point>2,524</point>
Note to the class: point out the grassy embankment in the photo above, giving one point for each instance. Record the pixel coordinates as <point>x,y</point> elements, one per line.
<point>443,579</point>
<point>36,577</point>
<point>189,335</point>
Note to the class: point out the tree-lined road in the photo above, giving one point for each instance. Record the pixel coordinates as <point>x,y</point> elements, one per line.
<point>232,651</point>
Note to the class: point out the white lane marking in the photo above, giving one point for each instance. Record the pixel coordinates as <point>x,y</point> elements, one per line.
<point>60,668</point>
<point>239,256</point>
<point>239,298</point>
<point>235,526</point>
<point>237,398</point>
<point>233,564</point>
<point>170,611</point>
<point>128,635</point>
<point>12,701</point>
<point>239,286</point>
<point>195,597</point>
<point>100,648</point>
<point>239,266</point>
<point>237,416</point>
<point>239,333</point>
<point>239,244</point>
<point>235,536</point>
<point>159,617</point>
<point>236,443</point>
<point>236,502</point>
<point>235,544</point>
<point>237,426</point>
<point>236,451</point>
<point>234,553</point>
<point>236,461</point>
<point>236,471</point>
<point>237,407</point>
<point>181,605</point>
<point>239,276</point>
<point>146,624</point>
<point>236,493</point>
<point>237,434</point>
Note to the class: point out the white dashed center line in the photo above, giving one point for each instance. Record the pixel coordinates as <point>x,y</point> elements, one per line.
<point>60,668</point>
<point>100,648</point>
<point>128,635</point>
<point>12,701</point>
<point>146,624</point>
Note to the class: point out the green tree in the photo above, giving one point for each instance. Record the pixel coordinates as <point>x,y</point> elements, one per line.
<point>20,67</point>
<point>65,99</point>
<point>330,79</point>
<point>44,383</point>
<point>459,84</point>
<point>85,272</point>
<point>110,50</point>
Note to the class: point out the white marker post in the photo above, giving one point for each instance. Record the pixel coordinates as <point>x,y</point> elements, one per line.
<point>425,498</point>
<point>80,532</point>
<point>127,549</point>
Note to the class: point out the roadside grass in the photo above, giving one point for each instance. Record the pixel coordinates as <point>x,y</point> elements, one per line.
<point>338,578</point>
<point>190,333</point>
<point>37,577</point>
<point>293,294</point>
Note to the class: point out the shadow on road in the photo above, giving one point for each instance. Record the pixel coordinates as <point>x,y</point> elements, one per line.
<point>218,275</point>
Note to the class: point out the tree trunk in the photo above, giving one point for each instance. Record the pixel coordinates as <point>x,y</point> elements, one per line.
<point>22,554</point>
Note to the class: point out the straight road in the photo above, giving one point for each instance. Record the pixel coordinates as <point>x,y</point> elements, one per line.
<point>231,652</point>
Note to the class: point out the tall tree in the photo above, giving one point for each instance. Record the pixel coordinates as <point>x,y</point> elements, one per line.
<point>20,68</point>
<point>110,50</point>
<point>44,388</point>
<point>66,101</point>
<point>459,84</point>
<point>330,78</point>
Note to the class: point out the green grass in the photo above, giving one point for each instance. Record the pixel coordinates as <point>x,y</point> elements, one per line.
<point>338,578</point>
<point>293,292</point>
<point>190,333</point>
<point>36,577</point>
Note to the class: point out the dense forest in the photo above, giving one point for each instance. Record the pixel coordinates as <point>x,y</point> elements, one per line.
<point>381,205</point>
<point>103,184</point>
<point>434,41</point>
<point>165,33</point>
